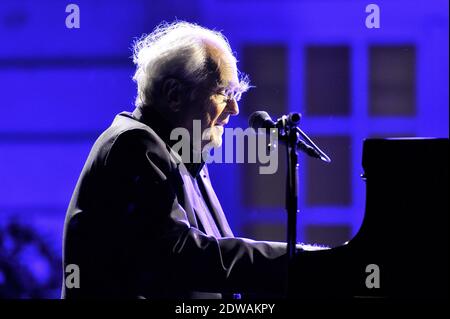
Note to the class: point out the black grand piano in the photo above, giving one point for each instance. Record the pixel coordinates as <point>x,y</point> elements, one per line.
<point>401,250</point>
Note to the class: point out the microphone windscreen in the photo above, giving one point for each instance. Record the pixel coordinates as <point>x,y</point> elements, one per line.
<point>259,119</point>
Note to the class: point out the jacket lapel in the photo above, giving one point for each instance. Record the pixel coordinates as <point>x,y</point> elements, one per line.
<point>224,227</point>
<point>194,204</point>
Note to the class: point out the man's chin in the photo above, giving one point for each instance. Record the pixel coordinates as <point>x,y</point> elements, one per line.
<point>213,136</point>
<point>217,142</point>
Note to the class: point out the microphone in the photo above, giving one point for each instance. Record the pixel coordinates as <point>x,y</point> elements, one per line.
<point>261,119</point>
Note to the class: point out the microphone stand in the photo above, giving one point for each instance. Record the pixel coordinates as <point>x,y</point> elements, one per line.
<point>291,201</point>
<point>290,134</point>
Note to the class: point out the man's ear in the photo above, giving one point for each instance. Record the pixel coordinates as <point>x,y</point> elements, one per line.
<point>172,92</point>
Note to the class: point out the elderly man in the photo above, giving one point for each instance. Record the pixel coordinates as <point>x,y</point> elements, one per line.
<point>143,223</point>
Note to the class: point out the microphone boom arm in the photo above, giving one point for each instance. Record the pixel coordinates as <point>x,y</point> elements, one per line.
<point>312,149</point>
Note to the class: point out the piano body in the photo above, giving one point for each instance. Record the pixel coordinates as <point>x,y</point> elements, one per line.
<point>404,231</point>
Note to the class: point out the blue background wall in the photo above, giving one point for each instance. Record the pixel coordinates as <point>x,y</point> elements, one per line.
<point>61,87</point>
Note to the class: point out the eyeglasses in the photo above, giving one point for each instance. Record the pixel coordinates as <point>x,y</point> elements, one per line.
<point>230,95</point>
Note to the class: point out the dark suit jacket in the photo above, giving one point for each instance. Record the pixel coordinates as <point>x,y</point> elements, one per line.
<point>142,224</point>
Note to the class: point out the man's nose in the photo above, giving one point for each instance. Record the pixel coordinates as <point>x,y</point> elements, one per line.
<point>233,107</point>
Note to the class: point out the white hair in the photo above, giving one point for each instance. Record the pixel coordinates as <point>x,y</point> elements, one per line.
<point>181,50</point>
